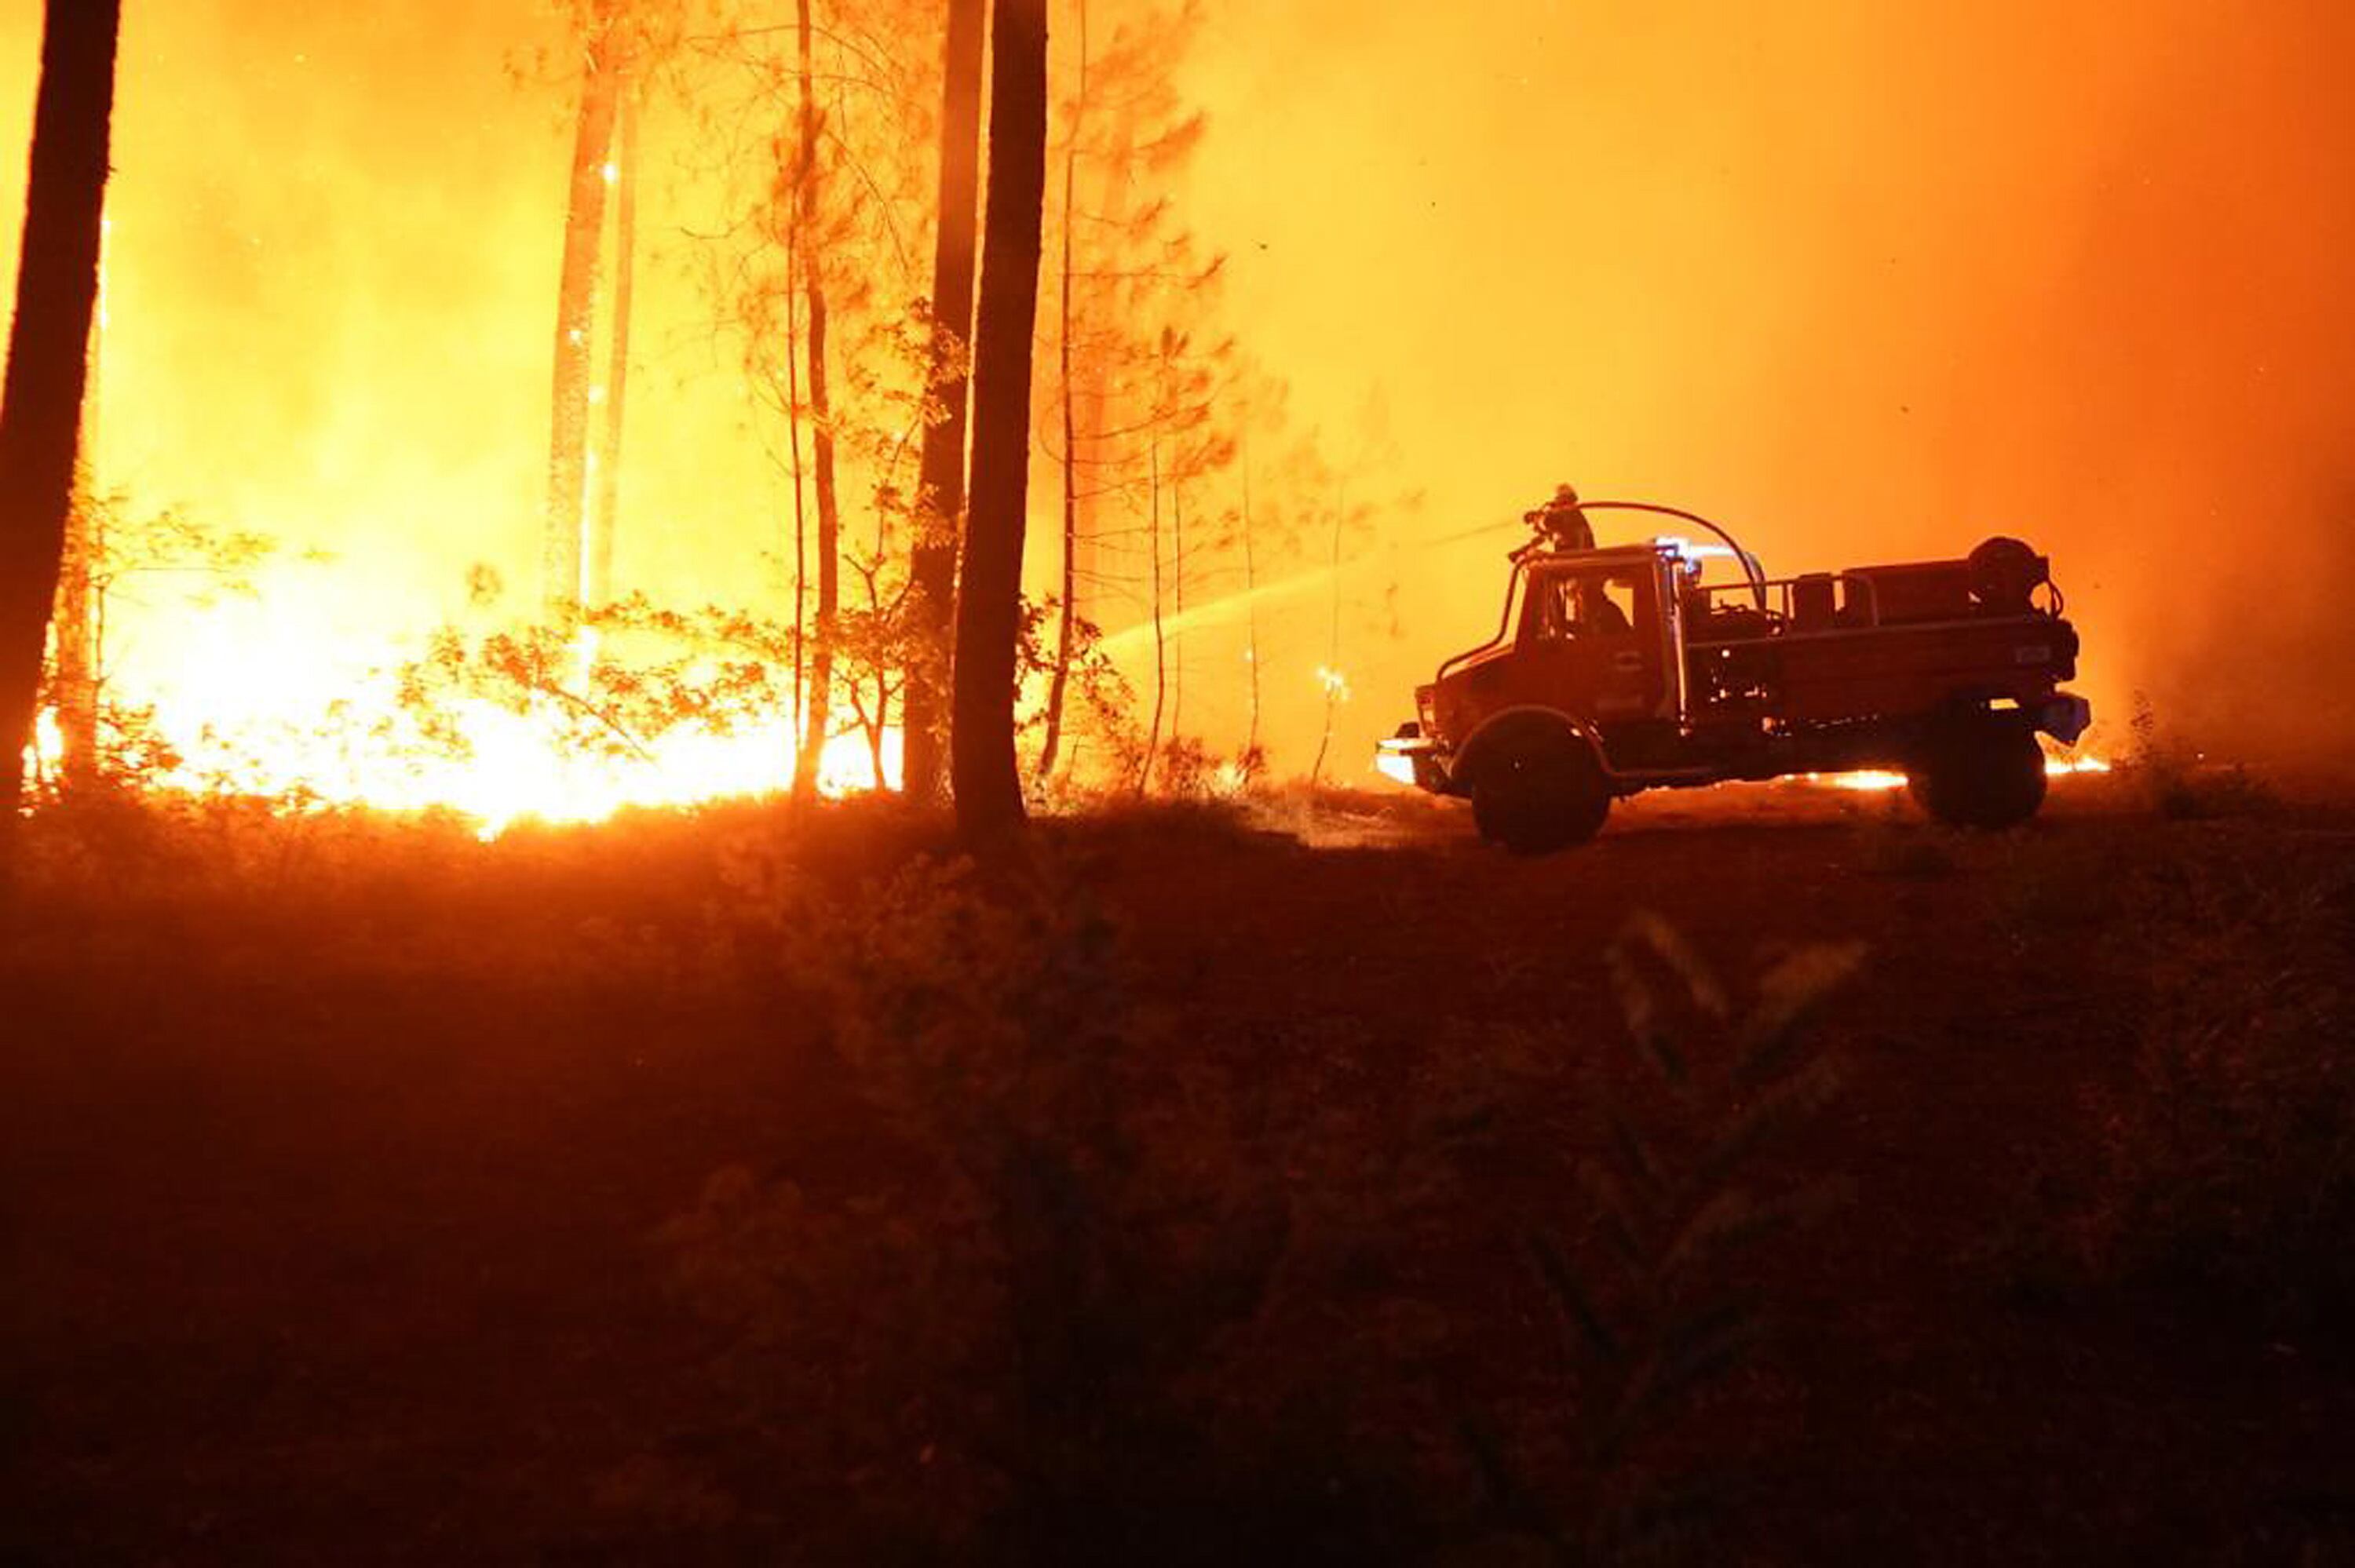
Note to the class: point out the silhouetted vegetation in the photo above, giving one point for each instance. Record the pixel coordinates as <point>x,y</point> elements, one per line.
<point>2227,1148</point>
<point>764,1184</point>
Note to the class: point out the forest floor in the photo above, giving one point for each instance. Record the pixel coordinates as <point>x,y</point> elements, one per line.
<point>644,1194</point>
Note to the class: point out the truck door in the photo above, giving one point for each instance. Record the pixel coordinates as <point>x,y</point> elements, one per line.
<point>1592,638</point>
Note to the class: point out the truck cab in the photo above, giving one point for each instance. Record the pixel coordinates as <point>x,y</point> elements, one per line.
<point>1619,669</point>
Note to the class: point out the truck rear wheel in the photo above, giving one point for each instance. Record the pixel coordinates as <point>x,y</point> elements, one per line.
<point>1984,772</point>
<point>1540,793</point>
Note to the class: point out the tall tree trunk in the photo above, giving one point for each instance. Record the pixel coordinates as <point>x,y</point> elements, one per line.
<point>1160,642</point>
<point>1177,598</point>
<point>1250,606</point>
<point>1102,408</point>
<point>605,515</point>
<point>931,567</point>
<point>576,320</point>
<point>981,762</point>
<point>819,714</point>
<point>801,499</point>
<point>1067,608</point>
<point>48,353</point>
<point>77,643</point>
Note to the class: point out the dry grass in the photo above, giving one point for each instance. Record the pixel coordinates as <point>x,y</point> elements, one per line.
<point>2228,1148</point>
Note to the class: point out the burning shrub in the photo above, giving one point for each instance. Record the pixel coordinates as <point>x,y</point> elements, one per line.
<point>1097,742</point>
<point>2176,779</point>
<point>1186,768</point>
<point>627,675</point>
<point>93,737</point>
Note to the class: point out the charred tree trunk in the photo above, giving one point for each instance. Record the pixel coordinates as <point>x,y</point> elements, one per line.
<point>931,567</point>
<point>981,764</point>
<point>48,353</point>
<point>1067,607</point>
<point>818,714</point>
<point>576,320</point>
<point>606,513</point>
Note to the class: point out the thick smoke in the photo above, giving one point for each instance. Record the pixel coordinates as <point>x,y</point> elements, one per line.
<point>1867,281</point>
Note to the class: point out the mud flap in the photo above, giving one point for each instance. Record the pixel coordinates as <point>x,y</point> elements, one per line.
<point>2065,717</point>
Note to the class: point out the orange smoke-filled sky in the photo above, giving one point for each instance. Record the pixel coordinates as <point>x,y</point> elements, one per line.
<point>1866,281</point>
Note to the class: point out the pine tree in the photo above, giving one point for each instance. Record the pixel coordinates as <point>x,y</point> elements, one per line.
<point>988,789</point>
<point>49,351</point>
<point>932,562</point>
<point>601,69</point>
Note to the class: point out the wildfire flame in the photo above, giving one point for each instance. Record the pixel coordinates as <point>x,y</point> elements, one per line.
<point>1400,770</point>
<point>313,738</point>
<point>1874,778</point>
<point>511,772</point>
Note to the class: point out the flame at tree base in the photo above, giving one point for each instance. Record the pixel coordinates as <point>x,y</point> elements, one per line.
<point>495,767</point>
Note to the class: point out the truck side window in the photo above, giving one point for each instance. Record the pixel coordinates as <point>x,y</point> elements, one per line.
<point>1573,608</point>
<point>1609,607</point>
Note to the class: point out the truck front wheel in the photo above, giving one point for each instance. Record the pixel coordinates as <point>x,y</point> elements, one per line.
<point>1985,772</point>
<point>1540,793</point>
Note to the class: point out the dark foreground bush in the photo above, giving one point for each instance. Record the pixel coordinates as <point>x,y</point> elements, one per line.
<point>1101,1310</point>
<point>991,1354</point>
<point>2175,779</point>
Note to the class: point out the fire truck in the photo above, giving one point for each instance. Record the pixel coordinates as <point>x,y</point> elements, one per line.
<point>1619,669</point>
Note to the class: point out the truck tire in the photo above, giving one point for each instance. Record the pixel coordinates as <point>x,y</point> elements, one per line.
<point>1539,792</point>
<point>1980,772</point>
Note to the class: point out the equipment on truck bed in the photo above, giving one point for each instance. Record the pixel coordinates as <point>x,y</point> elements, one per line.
<point>1618,669</point>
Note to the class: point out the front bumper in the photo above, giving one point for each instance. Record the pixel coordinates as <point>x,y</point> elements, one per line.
<point>1411,758</point>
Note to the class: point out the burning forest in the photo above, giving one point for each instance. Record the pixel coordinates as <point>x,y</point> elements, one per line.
<point>1136,780</point>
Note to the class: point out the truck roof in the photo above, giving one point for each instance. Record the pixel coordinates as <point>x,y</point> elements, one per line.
<point>1610,554</point>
